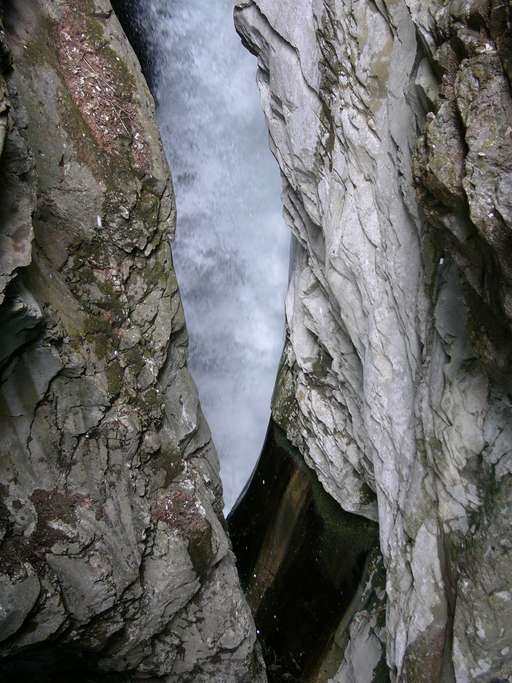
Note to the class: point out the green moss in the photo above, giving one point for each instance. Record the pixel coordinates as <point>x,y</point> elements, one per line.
<point>101,333</point>
<point>158,268</point>
<point>135,359</point>
<point>112,301</point>
<point>115,376</point>
<point>121,73</point>
<point>200,551</point>
<point>151,403</point>
<point>283,399</point>
<point>86,276</point>
<point>96,325</point>
<point>84,143</point>
<point>148,207</point>
<point>107,288</point>
<point>40,50</point>
<point>322,365</point>
<point>171,462</point>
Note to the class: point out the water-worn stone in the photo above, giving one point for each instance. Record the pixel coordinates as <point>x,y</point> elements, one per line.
<point>390,121</point>
<point>113,557</point>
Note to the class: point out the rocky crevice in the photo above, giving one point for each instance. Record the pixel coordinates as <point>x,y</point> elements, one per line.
<point>390,121</point>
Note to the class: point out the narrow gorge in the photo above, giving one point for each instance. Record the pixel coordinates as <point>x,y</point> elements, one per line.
<point>372,542</point>
<point>231,249</point>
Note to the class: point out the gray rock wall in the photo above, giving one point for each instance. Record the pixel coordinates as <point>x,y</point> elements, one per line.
<point>390,120</point>
<point>112,544</point>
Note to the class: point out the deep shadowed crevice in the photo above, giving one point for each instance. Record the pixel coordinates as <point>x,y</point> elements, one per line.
<point>54,665</point>
<point>301,559</point>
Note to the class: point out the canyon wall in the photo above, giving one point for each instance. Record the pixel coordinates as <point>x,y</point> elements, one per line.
<point>113,553</point>
<point>391,121</point>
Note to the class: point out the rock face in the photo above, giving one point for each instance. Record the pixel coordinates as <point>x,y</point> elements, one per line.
<point>391,121</point>
<point>113,554</point>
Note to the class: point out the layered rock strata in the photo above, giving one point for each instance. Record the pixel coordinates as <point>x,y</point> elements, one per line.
<point>391,123</point>
<point>113,555</point>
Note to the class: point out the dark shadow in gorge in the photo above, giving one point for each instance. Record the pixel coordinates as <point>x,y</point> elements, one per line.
<point>301,559</point>
<point>54,665</point>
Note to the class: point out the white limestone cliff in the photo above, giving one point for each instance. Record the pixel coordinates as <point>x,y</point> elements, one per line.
<point>390,121</point>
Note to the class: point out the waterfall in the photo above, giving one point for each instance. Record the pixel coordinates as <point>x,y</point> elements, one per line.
<point>232,247</point>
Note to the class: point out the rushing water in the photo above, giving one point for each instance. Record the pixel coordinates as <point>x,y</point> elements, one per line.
<point>231,250</point>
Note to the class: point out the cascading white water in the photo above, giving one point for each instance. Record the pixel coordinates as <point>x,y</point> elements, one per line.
<point>232,248</point>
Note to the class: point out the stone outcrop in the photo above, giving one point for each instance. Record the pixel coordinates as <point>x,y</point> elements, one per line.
<point>391,123</point>
<point>113,554</point>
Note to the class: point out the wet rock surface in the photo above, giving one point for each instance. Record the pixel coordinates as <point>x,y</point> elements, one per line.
<point>114,561</point>
<point>390,121</point>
